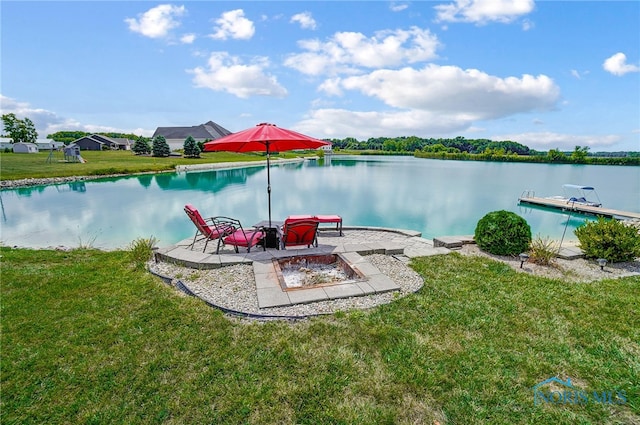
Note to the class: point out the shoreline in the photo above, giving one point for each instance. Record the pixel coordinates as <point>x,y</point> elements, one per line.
<point>44,181</point>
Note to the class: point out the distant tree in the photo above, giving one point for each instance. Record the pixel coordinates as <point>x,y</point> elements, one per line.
<point>191,148</point>
<point>19,130</point>
<point>579,154</point>
<point>67,137</point>
<point>160,147</point>
<point>556,155</point>
<point>141,147</point>
<point>439,147</point>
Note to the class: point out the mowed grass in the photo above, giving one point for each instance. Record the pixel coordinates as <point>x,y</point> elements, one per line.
<point>20,166</point>
<point>86,338</point>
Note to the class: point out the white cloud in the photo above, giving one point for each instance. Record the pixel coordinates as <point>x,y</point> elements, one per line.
<point>547,140</point>
<point>331,87</point>
<point>305,20</point>
<point>429,101</point>
<point>188,38</point>
<point>617,65</point>
<point>158,21</point>
<point>47,122</point>
<point>340,123</point>
<point>527,25</point>
<point>233,24</point>
<point>398,7</point>
<point>345,52</point>
<point>226,73</point>
<point>483,11</point>
<point>451,90</point>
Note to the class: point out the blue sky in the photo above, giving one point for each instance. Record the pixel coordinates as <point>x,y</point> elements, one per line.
<point>546,74</point>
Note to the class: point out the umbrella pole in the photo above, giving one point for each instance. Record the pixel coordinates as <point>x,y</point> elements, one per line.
<point>269,184</point>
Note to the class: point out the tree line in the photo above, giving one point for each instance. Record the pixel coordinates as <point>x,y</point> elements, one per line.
<point>482,150</point>
<point>23,130</point>
<point>414,143</point>
<point>68,137</point>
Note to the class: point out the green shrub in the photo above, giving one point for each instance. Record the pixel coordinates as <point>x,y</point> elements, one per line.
<point>543,250</point>
<point>610,239</point>
<point>160,147</point>
<point>141,250</point>
<point>141,147</point>
<point>503,233</point>
<point>191,148</point>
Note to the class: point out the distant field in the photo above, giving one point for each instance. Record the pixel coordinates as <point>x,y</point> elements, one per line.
<point>20,166</point>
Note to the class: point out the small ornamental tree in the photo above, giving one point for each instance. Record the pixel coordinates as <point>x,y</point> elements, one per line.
<point>191,148</point>
<point>160,147</point>
<point>503,233</point>
<point>610,239</point>
<point>141,147</point>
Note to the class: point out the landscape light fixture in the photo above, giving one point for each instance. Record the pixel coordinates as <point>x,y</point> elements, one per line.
<point>154,251</point>
<point>523,257</point>
<point>602,262</point>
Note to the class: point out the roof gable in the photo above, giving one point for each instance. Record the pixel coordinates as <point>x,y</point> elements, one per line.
<point>208,130</point>
<point>88,139</point>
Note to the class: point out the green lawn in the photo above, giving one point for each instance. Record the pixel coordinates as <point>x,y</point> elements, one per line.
<point>88,339</point>
<point>19,166</point>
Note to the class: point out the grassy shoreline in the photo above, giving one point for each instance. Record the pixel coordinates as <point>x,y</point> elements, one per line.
<point>109,163</point>
<point>88,339</point>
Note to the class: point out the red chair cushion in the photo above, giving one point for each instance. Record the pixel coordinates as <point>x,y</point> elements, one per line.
<point>246,238</point>
<point>301,232</point>
<point>328,218</point>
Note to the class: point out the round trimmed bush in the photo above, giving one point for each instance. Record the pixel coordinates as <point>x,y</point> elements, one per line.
<point>503,233</point>
<point>610,239</point>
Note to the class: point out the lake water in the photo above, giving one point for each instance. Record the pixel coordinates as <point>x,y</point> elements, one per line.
<point>434,197</point>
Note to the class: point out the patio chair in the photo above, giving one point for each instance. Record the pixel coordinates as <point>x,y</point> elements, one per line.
<point>321,219</point>
<point>239,237</point>
<point>207,229</point>
<point>298,230</point>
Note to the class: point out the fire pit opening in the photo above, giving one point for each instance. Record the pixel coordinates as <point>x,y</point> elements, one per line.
<point>311,271</point>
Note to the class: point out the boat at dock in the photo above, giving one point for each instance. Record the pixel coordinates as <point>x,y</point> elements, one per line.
<point>578,194</point>
<point>576,198</point>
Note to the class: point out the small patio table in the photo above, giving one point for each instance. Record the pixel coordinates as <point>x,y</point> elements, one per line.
<point>271,239</point>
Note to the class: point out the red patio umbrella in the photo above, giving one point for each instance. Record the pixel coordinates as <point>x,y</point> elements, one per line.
<point>264,137</point>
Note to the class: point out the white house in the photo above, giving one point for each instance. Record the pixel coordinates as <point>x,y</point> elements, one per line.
<point>48,144</point>
<point>327,149</point>
<point>25,148</point>
<point>6,143</point>
<point>42,144</point>
<point>175,136</point>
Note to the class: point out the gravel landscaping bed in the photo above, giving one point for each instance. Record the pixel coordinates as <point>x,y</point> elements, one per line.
<point>578,270</point>
<point>234,288</point>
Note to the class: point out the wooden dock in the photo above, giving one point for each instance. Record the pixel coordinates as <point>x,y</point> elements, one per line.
<point>579,208</point>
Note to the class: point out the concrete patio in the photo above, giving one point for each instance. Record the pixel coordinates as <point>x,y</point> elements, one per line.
<point>361,240</point>
<point>355,244</point>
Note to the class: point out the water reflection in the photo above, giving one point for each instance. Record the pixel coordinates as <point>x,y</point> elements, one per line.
<point>434,197</point>
<point>210,180</point>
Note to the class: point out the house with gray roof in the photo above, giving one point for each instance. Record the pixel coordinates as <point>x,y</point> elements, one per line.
<point>175,136</point>
<point>98,142</point>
